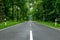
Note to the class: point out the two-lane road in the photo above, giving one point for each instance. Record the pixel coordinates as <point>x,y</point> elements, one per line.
<point>29,31</point>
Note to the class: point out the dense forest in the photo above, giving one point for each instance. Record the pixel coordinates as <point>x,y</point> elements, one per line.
<point>23,10</point>
<point>48,10</point>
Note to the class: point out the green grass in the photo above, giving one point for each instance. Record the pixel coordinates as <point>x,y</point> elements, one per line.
<point>9,23</point>
<point>49,24</point>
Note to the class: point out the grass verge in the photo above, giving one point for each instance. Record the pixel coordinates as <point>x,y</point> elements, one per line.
<point>8,24</point>
<point>49,24</point>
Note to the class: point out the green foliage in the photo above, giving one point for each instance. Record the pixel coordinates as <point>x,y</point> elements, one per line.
<point>8,23</point>
<point>47,10</point>
<point>49,24</point>
<point>16,10</point>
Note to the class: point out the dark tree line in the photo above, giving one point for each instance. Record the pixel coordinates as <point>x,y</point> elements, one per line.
<point>46,10</point>
<point>15,10</point>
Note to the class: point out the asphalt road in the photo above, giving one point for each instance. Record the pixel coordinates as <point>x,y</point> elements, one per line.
<point>22,32</point>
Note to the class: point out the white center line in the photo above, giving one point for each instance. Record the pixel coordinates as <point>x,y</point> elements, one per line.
<point>30,25</point>
<point>31,35</point>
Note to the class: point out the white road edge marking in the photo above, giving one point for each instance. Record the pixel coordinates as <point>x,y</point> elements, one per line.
<point>9,27</point>
<point>31,35</point>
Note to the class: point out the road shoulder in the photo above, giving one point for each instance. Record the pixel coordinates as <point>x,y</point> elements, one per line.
<point>48,26</point>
